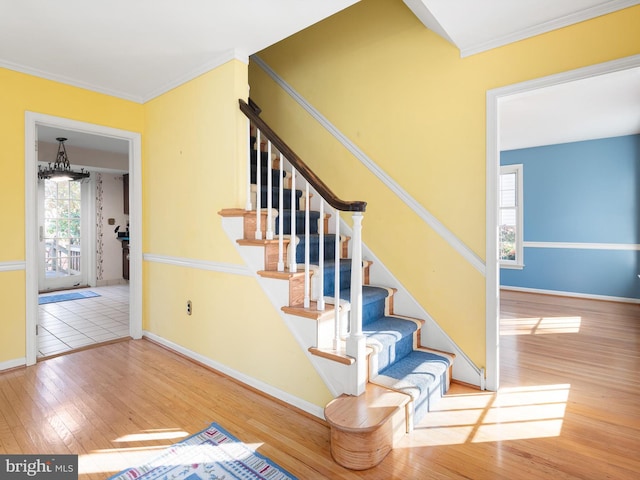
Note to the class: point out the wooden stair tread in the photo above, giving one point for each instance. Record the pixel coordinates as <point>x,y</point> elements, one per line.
<point>436,351</point>
<point>284,275</point>
<point>260,243</point>
<point>232,212</point>
<point>332,354</point>
<point>365,412</point>
<point>310,312</point>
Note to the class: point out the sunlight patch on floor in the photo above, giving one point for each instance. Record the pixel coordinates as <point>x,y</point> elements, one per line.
<point>118,459</point>
<point>539,325</point>
<point>510,414</point>
<point>147,435</point>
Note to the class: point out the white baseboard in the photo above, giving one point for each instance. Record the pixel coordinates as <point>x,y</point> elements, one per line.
<point>18,362</point>
<point>241,377</point>
<point>109,283</point>
<point>571,294</point>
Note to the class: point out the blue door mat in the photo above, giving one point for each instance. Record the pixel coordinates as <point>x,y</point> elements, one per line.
<point>63,297</point>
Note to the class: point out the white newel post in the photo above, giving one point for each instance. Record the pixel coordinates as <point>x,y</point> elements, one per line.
<point>356,341</point>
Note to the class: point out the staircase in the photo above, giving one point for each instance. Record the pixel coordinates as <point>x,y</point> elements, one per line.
<point>371,358</point>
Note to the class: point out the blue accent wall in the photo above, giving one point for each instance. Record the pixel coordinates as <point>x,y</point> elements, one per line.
<point>581,192</point>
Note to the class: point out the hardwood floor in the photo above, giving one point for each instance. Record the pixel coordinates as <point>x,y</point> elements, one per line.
<point>568,407</point>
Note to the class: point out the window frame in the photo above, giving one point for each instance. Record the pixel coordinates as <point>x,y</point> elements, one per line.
<point>518,262</point>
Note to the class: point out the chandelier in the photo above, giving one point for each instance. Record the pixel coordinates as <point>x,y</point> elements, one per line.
<point>61,171</point>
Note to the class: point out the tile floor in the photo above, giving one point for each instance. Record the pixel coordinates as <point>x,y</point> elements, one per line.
<point>65,326</point>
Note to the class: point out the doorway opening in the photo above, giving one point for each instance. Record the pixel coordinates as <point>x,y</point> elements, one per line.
<point>60,239</point>
<point>496,98</point>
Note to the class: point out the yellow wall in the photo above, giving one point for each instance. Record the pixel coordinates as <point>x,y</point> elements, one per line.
<point>195,163</point>
<point>399,91</point>
<point>20,93</point>
<point>417,109</point>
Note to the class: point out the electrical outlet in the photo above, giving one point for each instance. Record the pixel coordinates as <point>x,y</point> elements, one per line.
<point>189,307</point>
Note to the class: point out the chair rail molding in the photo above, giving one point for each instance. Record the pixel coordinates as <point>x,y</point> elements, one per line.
<point>220,267</point>
<point>13,266</point>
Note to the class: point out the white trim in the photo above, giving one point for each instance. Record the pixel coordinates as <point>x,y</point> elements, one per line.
<point>204,68</point>
<point>196,72</point>
<point>561,293</point>
<point>68,81</point>
<point>32,120</point>
<point>411,202</point>
<point>241,377</point>
<point>512,266</point>
<point>494,98</point>
<point>12,266</point>
<point>583,246</point>
<point>556,23</point>
<point>199,264</point>
<point>18,362</point>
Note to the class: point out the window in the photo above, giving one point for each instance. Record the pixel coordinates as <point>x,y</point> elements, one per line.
<point>510,217</point>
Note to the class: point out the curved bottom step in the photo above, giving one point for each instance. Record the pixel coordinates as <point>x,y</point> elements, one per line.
<point>365,428</point>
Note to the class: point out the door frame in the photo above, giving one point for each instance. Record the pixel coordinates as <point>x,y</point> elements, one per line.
<point>494,99</point>
<point>32,121</point>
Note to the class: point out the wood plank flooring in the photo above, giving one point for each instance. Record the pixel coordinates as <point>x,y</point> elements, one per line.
<point>568,407</point>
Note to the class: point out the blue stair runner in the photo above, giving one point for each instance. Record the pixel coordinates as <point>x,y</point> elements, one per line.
<point>421,374</point>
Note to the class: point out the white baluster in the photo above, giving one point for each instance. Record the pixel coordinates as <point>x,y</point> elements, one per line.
<point>320,305</point>
<point>307,300</point>
<point>269,194</point>
<point>248,204</point>
<point>293,266</point>
<point>280,217</point>
<point>258,188</point>
<point>356,341</point>
<point>336,282</point>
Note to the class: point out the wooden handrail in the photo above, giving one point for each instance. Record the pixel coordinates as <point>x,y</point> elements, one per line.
<point>252,111</point>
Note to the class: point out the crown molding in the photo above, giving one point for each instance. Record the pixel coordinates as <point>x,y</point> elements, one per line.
<point>201,69</point>
<point>560,22</point>
<point>68,81</point>
<point>212,64</point>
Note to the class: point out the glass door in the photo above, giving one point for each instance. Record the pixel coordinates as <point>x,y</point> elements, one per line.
<point>63,262</point>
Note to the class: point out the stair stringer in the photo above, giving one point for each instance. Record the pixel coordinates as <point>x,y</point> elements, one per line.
<point>305,331</point>
<point>432,334</point>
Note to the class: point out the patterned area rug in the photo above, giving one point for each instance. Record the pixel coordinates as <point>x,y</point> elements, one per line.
<point>63,297</point>
<point>213,454</point>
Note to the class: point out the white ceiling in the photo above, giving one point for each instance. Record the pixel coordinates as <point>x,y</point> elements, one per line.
<point>476,26</point>
<point>139,49</point>
<point>597,107</point>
